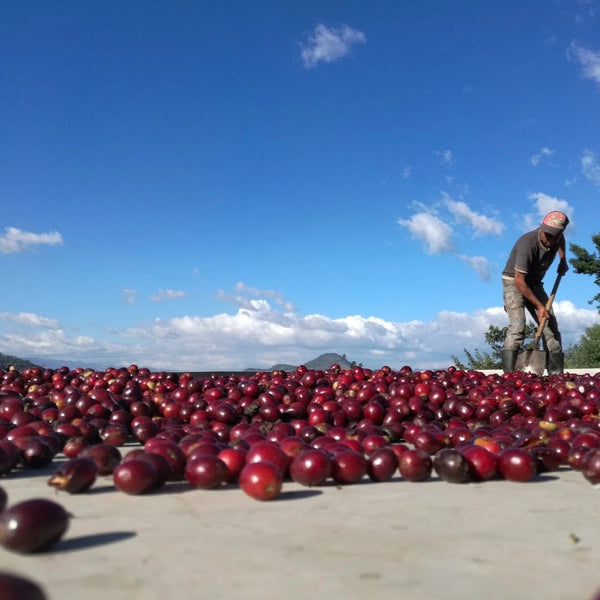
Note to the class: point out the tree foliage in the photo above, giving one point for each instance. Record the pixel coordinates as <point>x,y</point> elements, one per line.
<point>481,360</point>
<point>477,360</point>
<point>588,263</point>
<point>586,353</point>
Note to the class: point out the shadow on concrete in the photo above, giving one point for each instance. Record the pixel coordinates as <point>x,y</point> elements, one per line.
<point>89,541</point>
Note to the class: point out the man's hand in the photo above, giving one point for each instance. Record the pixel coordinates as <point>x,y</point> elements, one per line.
<point>542,313</point>
<point>563,266</point>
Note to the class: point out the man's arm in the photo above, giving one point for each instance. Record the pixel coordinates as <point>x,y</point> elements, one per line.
<point>563,265</point>
<point>525,290</point>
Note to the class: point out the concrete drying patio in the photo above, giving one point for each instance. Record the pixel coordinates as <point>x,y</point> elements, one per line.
<point>417,541</point>
<point>395,540</point>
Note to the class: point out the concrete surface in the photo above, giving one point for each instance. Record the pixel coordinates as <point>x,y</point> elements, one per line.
<point>396,540</point>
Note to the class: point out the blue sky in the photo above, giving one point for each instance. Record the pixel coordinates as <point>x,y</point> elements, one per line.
<point>221,185</point>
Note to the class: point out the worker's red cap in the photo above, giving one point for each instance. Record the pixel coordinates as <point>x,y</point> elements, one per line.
<point>554,223</point>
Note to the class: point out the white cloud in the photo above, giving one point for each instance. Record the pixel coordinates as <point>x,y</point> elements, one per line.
<point>590,167</point>
<point>543,153</point>
<point>589,61</point>
<point>277,297</point>
<point>252,305</point>
<point>53,343</point>
<point>16,240</point>
<point>573,319</point>
<point>129,295</point>
<point>445,156</point>
<point>433,232</point>
<point>480,264</point>
<point>406,172</point>
<point>30,320</point>
<point>258,336</point>
<point>164,295</point>
<point>545,204</point>
<point>585,10</point>
<point>437,235</point>
<point>481,224</point>
<point>328,44</point>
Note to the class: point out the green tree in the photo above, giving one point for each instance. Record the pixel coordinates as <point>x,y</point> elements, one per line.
<point>588,263</point>
<point>477,360</point>
<point>480,360</point>
<point>586,353</point>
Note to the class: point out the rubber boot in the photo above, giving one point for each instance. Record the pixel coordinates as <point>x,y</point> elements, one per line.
<point>509,359</point>
<point>555,363</point>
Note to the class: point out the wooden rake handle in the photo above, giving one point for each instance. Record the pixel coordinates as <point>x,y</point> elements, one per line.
<point>538,333</point>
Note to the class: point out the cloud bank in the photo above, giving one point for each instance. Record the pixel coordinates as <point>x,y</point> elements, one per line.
<point>260,335</point>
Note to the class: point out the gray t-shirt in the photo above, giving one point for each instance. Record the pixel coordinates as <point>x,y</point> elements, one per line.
<point>531,257</point>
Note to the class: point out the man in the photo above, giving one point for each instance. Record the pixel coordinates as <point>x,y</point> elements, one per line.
<point>523,288</point>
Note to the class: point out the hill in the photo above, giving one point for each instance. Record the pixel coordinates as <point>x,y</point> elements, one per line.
<point>322,362</point>
<point>6,361</point>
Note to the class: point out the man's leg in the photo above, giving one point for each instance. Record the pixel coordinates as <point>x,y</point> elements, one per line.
<point>509,360</point>
<point>555,361</point>
<point>515,334</point>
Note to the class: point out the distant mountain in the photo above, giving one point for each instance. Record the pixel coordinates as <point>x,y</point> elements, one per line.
<point>52,363</point>
<point>321,363</point>
<point>6,361</point>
